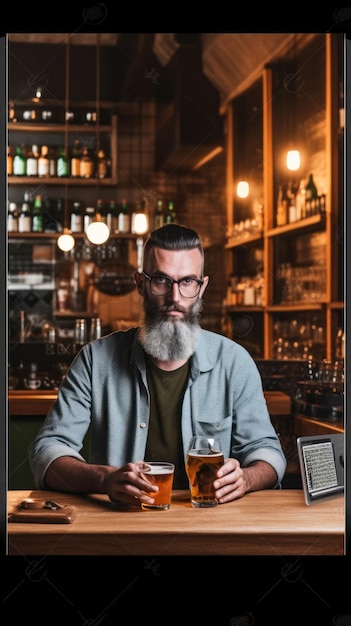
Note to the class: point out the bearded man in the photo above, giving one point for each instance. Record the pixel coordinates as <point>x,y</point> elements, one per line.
<point>144,392</point>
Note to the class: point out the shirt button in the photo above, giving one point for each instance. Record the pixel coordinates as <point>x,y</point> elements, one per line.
<point>143,425</point>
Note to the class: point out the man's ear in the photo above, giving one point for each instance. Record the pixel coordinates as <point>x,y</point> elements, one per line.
<point>205,283</point>
<point>139,281</point>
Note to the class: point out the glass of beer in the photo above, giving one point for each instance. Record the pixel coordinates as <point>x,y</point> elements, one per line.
<point>203,459</point>
<point>161,474</point>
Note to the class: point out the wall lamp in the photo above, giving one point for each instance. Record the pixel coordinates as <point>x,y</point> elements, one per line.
<point>243,189</point>
<point>293,160</point>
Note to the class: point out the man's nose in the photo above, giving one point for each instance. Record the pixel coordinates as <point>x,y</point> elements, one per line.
<point>175,293</point>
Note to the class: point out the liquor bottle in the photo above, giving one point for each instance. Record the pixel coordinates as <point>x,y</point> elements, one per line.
<point>282,206</point>
<point>62,164</point>
<point>123,224</point>
<point>112,217</point>
<point>25,216</point>
<point>300,201</point>
<point>86,164</point>
<point>102,165</point>
<point>53,157</point>
<point>19,163</point>
<point>170,215</point>
<point>159,217</point>
<point>12,218</point>
<point>310,195</point>
<point>89,216</point>
<point>76,218</point>
<point>9,161</point>
<point>38,216</point>
<point>76,159</point>
<point>100,209</point>
<point>44,163</point>
<point>32,161</point>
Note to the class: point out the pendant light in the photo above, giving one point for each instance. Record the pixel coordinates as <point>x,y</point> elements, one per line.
<point>66,241</point>
<point>98,232</point>
<point>293,160</point>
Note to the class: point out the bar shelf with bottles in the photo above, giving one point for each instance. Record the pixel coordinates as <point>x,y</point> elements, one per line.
<point>301,242</point>
<point>97,144</point>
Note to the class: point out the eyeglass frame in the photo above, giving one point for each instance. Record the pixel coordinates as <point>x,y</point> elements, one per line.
<point>199,282</point>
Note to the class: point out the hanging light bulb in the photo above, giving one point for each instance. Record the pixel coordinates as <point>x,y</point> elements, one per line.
<point>98,232</point>
<point>66,241</point>
<point>293,160</point>
<point>243,189</point>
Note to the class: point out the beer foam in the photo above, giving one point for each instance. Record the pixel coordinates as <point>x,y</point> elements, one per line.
<point>159,470</point>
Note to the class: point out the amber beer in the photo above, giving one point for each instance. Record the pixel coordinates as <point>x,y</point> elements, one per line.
<point>201,467</point>
<point>160,474</point>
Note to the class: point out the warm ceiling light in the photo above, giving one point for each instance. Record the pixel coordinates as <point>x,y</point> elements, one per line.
<point>293,160</point>
<point>140,223</point>
<point>65,241</point>
<point>242,189</point>
<point>98,232</point>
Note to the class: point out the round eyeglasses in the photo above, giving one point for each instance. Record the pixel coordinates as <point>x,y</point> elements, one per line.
<point>162,285</point>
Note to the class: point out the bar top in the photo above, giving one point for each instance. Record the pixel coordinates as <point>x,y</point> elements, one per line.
<point>271,522</point>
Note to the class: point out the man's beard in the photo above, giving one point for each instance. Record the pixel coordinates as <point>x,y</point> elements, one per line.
<point>169,338</point>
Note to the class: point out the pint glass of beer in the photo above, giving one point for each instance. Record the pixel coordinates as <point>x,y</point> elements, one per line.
<point>160,474</point>
<point>203,459</point>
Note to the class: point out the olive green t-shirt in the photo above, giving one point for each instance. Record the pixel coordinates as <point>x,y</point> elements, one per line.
<point>164,439</point>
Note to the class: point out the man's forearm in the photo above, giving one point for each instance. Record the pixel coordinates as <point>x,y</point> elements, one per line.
<point>259,475</point>
<point>69,474</point>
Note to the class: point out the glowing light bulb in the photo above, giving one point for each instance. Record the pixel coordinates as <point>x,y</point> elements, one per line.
<point>243,189</point>
<point>293,160</point>
<point>98,232</point>
<point>66,242</point>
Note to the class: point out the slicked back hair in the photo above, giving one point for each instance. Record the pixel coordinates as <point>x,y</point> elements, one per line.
<point>174,237</point>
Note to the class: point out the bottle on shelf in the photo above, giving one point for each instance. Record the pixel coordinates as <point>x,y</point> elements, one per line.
<point>53,157</point>
<point>100,209</point>
<point>311,195</point>
<point>282,206</point>
<point>300,201</point>
<point>62,164</point>
<point>32,161</point>
<point>38,215</point>
<point>44,163</point>
<point>12,218</point>
<point>112,217</point>
<point>9,161</point>
<point>76,218</point>
<point>89,217</point>
<point>86,164</point>
<point>19,162</point>
<point>76,156</point>
<point>171,214</point>
<point>159,216</point>
<point>102,165</point>
<point>123,222</point>
<point>25,215</point>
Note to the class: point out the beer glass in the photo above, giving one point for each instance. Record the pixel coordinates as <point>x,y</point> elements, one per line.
<point>203,459</point>
<point>160,474</point>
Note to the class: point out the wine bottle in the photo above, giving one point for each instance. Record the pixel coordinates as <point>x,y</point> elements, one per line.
<point>38,216</point>
<point>123,224</point>
<point>170,215</point>
<point>311,196</point>
<point>19,163</point>
<point>25,216</point>
<point>159,218</point>
<point>76,218</point>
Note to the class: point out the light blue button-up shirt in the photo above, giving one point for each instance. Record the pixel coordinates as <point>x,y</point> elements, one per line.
<point>106,389</point>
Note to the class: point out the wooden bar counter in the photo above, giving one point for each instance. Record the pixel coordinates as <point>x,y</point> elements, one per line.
<point>272,522</point>
<point>23,402</point>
